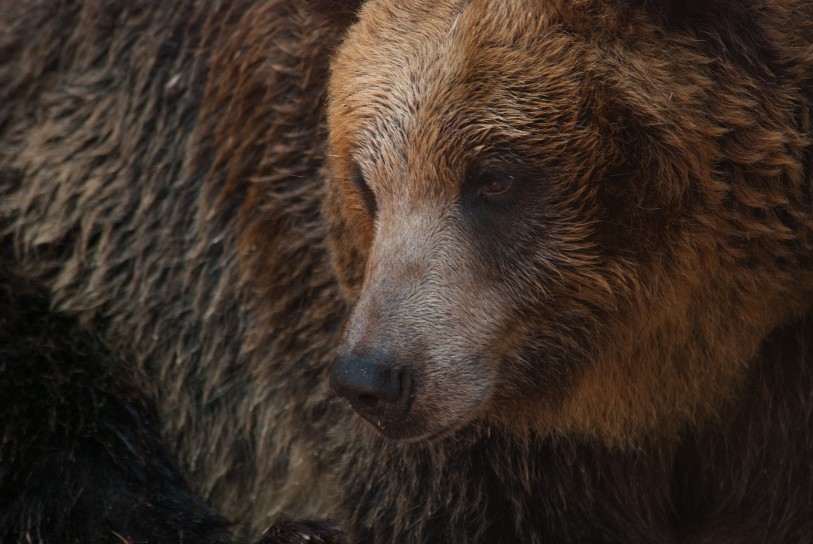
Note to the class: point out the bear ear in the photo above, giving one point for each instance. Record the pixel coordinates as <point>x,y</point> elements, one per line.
<point>687,11</point>
<point>340,13</point>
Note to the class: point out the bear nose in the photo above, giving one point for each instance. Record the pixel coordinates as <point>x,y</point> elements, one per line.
<point>379,392</point>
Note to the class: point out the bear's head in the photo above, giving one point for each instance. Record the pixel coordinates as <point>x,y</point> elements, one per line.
<point>559,216</point>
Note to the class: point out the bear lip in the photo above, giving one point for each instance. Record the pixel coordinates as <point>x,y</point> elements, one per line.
<point>438,434</point>
<point>415,432</point>
<point>416,428</point>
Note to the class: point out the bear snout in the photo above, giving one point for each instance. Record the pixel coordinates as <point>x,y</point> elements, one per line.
<point>379,391</point>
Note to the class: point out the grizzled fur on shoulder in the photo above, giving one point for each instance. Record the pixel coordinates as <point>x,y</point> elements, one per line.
<point>128,201</point>
<point>575,237</point>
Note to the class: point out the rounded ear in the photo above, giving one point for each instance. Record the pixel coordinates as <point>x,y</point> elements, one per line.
<point>340,13</point>
<point>692,12</point>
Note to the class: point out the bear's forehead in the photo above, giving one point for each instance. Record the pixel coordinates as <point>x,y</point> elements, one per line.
<point>426,80</point>
<point>413,56</point>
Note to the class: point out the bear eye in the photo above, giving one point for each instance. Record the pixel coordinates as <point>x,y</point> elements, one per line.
<point>492,188</point>
<point>367,195</point>
<point>496,186</point>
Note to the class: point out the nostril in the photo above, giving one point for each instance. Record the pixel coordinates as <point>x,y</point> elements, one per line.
<point>405,384</point>
<point>369,400</point>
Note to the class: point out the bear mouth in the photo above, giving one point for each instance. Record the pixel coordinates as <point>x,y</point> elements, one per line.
<point>416,431</point>
<point>437,434</point>
<point>423,424</point>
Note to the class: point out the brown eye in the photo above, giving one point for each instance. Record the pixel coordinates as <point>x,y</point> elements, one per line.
<point>496,186</point>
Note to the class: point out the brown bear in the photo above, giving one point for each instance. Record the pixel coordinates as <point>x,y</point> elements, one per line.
<point>557,255</point>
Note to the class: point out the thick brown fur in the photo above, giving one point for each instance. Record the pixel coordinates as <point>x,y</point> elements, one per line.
<point>617,348</point>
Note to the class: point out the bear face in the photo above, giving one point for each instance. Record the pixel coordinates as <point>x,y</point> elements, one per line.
<point>538,210</point>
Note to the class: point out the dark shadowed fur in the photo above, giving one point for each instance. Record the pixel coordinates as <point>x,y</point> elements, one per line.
<point>175,294</point>
<point>336,12</point>
<point>80,458</point>
<point>297,532</point>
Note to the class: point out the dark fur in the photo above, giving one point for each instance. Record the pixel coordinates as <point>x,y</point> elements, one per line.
<point>173,310</point>
<point>336,12</point>
<point>80,460</point>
